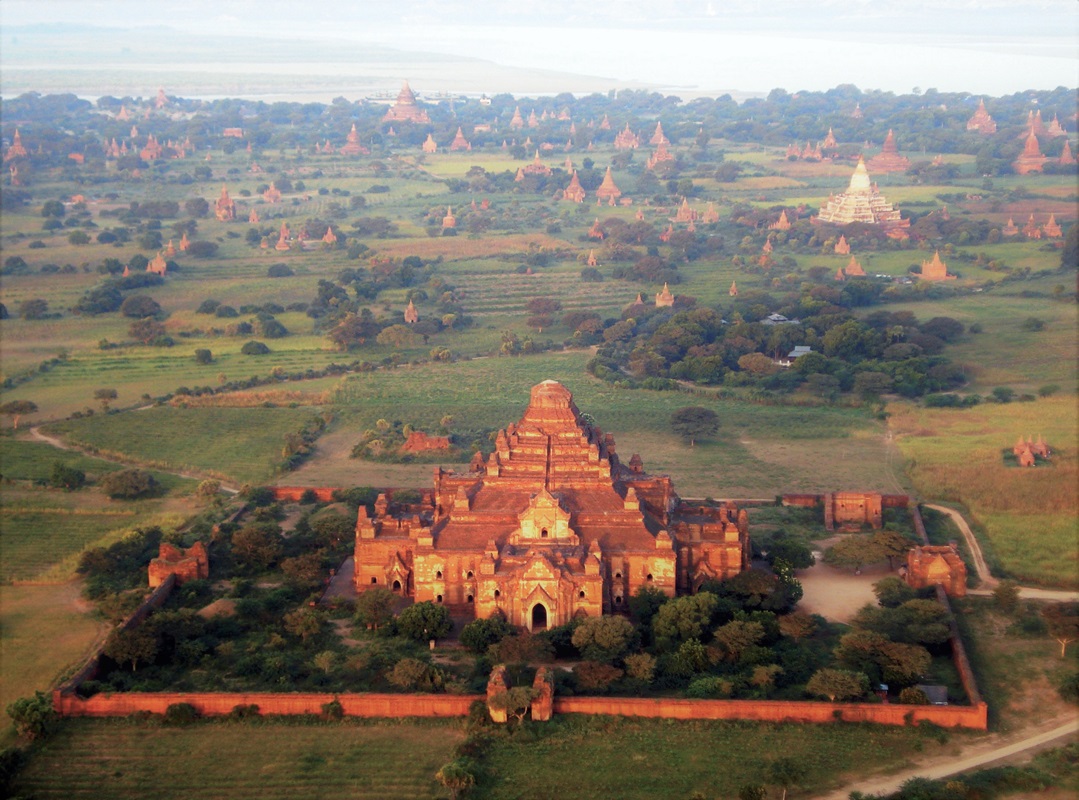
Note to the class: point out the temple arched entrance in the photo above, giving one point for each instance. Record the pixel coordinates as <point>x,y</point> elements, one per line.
<point>539,617</point>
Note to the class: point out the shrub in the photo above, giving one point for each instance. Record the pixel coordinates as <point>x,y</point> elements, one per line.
<point>423,621</point>
<point>913,696</point>
<point>203,356</point>
<point>333,710</point>
<point>65,477</point>
<point>279,271</point>
<point>181,714</point>
<point>138,306</point>
<point>34,717</point>
<point>254,349</point>
<point>129,484</point>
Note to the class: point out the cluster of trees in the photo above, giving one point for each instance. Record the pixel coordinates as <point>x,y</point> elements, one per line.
<point>876,354</point>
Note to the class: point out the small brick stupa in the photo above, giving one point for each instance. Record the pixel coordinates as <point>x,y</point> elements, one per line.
<point>1031,159</point>
<point>981,121</point>
<point>664,299</point>
<point>841,247</point>
<point>352,146</point>
<point>626,139</point>
<point>608,190</point>
<point>406,109</point>
<point>575,193</point>
<point>225,207</point>
<point>936,270</point>
<point>460,142</point>
<point>889,159</point>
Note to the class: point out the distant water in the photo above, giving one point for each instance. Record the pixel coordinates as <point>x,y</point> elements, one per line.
<point>708,60</point>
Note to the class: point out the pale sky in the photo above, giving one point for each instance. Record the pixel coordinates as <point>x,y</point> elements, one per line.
<point>981,46</point>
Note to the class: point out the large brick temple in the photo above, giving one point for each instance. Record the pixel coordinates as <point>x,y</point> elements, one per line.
<point>553,525</point>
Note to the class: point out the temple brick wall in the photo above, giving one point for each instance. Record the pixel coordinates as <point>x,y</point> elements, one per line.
<point>293,494</point>
<point>776,711</point>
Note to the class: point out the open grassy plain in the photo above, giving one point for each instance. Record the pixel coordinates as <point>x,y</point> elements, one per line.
<point>597,757</point>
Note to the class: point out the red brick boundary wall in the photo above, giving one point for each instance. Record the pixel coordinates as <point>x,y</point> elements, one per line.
<point>293,494</point>
<point>213,704</point>
<point>775,711</point>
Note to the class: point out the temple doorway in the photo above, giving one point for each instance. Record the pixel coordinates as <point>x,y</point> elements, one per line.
<point>397,586</point>
<point>539,617</point>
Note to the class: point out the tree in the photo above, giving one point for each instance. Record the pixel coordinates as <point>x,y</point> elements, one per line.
<point>397,336</point>
<point>34,717</point>
<point>543,306</point>
<point>737,636</point>
<point>481,633</point>
<point>797,625</point>
<point>202,249</point>
<point>16,409</point>
<point>353,330</point>
<point>838,684</point>
<point>786,772</point>
<point>854,551</point>
<point>254,349</point>
<point>892,592</point>
<point>196,207</point>
<point>105,396</point>
<point>753,792</point>
<point>147,330</point>
<point>424,621</point>
<point>65,477</point>
<point>34,309</point>
<point>605,638</point>
<point>374,607</point>
<point>129,484</point>
<point>303,622</point>
<point>138,306</point>
<point>694,422</point>
<point>203,356</point>
<point>684,618</point>
<point>893,544</point>
<point>1006,596</point>
<point>132,645</point>
<point>515,702</point>
<point>458,776</point>
<point>257,545</point>
<point>1062,620</point>
<point>304,571</point>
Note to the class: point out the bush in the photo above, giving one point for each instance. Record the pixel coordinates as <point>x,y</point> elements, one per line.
<point>34,717</point>
<point>254,349</point>
<point>129,484</point>
<point>423,621</point>
<point>480,634</point>
<point>65,477</point>
<point>138,306</point>
<point>333,710</point>
<point>278,271</point>
<point>203,356</point>
<point>913,696</point>
<point>181,714</point>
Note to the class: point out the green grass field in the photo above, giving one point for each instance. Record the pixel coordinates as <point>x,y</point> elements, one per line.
<point>45,631</point>
<point>240,444</point>
<point>114,760</point>
<point>1028,515</point>
<point>596,757</point>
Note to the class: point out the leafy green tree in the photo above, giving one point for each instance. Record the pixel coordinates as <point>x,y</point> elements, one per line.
<point>34,717</point>
<point>605,638</point>
<point>147,330</point>
<point>65,477</point>
<point>257,545</point>
<point>304,623</point>
<point>893,544</point>
<point>753,792</point>
<point>425,620</point>
<point>641,667</point>
<point>514,701</point>
<point>138,306</point>
<point>132,646</point>
<point>481,633</point>
<point>694,422</point>
<point>913,696</point>
<point>203,356</point>
<point>35,308</point>
<point>684,618</point>
<point>737,636</point>
<point>374,607</point>
<point>412,674</point>
<point>854,551</point>
<point>1006,596</point>
<point>400,336</point>
<point>105,396</point>
<point>457,777</point>
<point>16,409</point>
<point>786,772</point>
<point>892,592</point>
<point>254,349</point>
<point>838,684</point>
<point>797,625</point>
<point>129,484</point>
<point>304,571</point>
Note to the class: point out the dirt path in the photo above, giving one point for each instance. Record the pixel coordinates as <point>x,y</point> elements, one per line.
<point>985,754</point>
<point>986,578</point>
<point>60,444</point>
<point>988,582</point>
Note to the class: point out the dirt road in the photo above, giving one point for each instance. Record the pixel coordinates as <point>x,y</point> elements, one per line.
<point>983,755</point>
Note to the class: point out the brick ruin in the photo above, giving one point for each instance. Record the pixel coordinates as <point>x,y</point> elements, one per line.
<point>552,526</point>
<point>933,565</point>
<point>187,565</point>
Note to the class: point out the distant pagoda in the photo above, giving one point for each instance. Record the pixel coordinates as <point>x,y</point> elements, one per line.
<point>406,109</point>
<point>981,121</point>
<point>608,190</point>
<point>225,207</point>
<point>863,203</point>
<point>842,248</point>
<point>658,137</point>
<point>17,150</point>
<point>626,139</point>
<point>460,142</point>
<point>1031,159</point>
<point>889,159</point>
<point>574,192</point>
<point>936,270</point>
<point>352,146</point>
<point>430,145</point>
<point>1055,129</point>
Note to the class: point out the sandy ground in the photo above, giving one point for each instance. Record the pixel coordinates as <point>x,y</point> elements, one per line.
<point>837,594</point>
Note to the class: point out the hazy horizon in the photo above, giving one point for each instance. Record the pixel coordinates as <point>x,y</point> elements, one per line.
<point>693,48</point>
